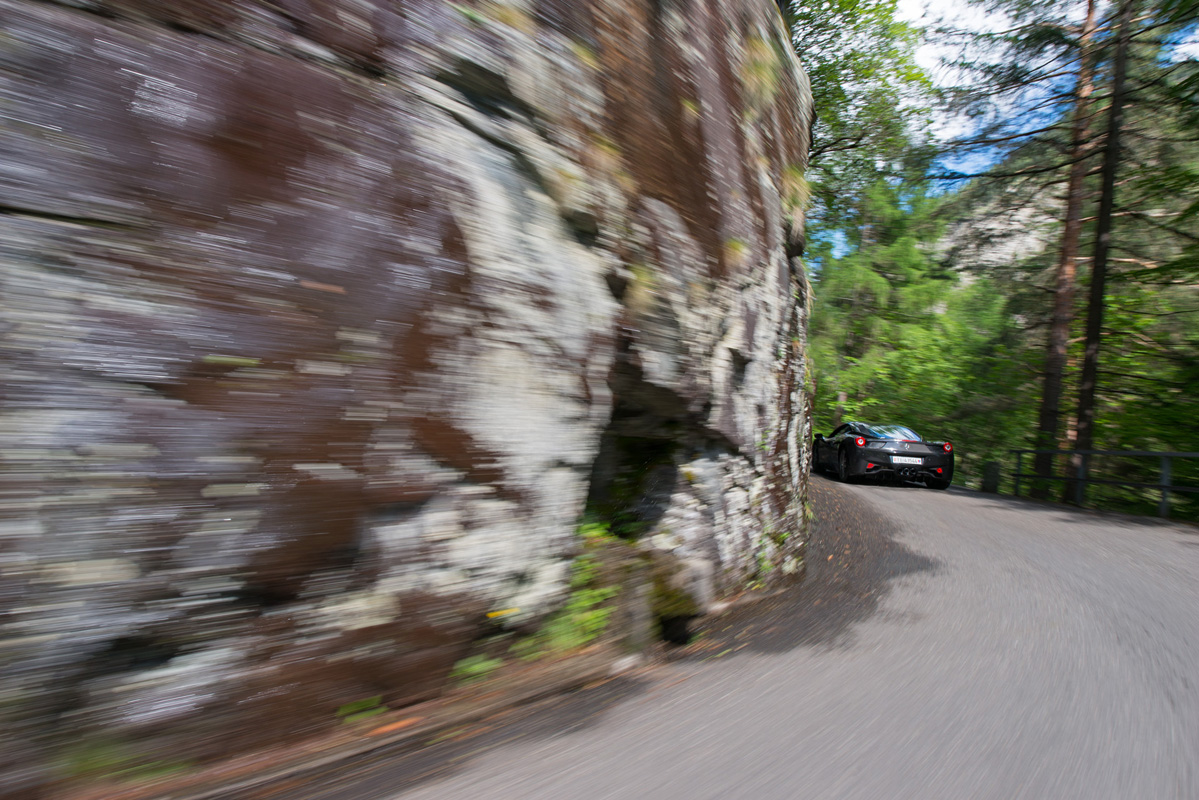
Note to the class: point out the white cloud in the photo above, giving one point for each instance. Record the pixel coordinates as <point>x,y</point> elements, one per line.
<point>1187,49</point>
<point>938,50</point>
<point>960,16</point>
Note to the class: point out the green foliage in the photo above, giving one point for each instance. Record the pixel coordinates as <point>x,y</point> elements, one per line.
<point>901,338</point>
<point>586,613</point>
<point>469,13</point>
<point>594,533</point>
<point>765,567</point>
<point>796,193</point>
<point>361,709</point>
<point>870,98</point>
<point>585,54</point>
<point>1149,374</point>
<point>759,73</point>
<point>474,668</point>
<point>932,309</point>
<point>113,759</point>
<point>588,607</point>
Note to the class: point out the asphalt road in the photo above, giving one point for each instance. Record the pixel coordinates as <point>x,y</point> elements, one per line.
<point>945,645</point>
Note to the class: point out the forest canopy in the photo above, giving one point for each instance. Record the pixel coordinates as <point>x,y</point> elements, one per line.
<point>1032,282</point>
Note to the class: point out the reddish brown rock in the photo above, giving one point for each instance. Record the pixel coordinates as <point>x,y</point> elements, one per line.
<point>324,321</point>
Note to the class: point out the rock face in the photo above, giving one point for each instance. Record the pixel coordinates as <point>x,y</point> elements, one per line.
<point>324,322</point>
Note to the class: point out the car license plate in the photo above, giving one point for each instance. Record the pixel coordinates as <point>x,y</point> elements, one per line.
<point>905,460</point>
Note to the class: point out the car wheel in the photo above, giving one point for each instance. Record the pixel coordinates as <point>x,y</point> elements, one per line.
<point>815,460</point>
<point>842,466</point>
<point>935,483</point>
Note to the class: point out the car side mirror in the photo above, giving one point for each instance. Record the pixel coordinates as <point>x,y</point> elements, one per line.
<point>820,436</point>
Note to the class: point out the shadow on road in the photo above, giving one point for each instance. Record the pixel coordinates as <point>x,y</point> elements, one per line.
<point>851,560</point>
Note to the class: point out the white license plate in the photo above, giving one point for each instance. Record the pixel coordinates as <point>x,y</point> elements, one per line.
<point>905,460</point>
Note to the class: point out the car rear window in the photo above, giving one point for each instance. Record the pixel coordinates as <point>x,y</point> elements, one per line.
<point>892,432</point>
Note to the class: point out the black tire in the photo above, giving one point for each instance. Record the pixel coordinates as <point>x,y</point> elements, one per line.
<point>842,466</point>
<point>816,468</point>
<point>937,483</point>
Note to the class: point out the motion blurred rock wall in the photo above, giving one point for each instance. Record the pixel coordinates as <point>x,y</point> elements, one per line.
<point>323,321</point>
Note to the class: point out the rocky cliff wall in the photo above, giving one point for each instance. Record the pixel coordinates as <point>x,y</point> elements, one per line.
<point>324,321</point>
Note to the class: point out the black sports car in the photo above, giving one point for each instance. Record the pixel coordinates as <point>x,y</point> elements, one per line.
<point>856,449</point>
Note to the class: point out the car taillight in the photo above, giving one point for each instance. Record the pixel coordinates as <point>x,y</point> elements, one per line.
<point>948,447</point>
<point>860,442</point>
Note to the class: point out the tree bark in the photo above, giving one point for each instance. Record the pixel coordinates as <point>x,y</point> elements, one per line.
<point>1049,418</point>
<point>1103,232</point>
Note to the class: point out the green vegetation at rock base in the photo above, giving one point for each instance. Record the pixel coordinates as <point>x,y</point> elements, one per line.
<point>475,668</point>
<point>359,710</point>
<point>584,617</point>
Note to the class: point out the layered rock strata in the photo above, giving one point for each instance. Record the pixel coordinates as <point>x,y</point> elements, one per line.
<point>323,323</point>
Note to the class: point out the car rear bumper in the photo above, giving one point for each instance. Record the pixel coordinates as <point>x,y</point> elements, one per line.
<point>910,472</point>
<point>935,466</point>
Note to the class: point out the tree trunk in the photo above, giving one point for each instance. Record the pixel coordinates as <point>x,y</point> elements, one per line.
<point>1103,232</point>
<point>1049,418</point>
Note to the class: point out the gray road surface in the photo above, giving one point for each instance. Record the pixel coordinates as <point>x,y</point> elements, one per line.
<point>951,645</point>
